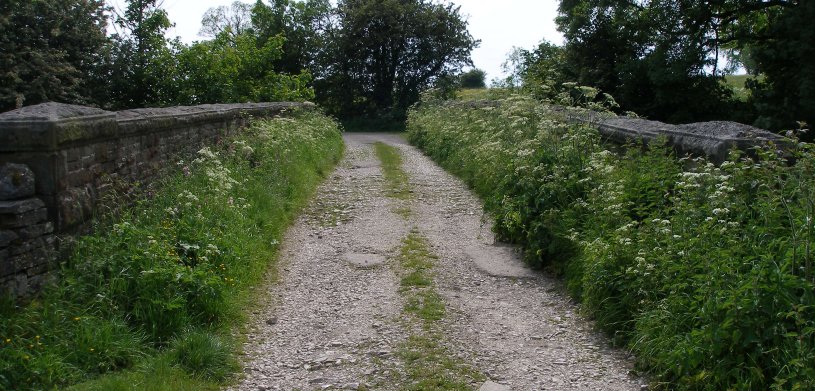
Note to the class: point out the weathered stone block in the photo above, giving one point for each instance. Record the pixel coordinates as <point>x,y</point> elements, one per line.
<point>50,125</point>
<point>36,282</point>
<point>23,219</point>
<point>22,261</point>
<point>16,181</point>
<point>6,266</point>
<point>7,237</point>
<point>34,231</point>
<point>20,287</point>
<point>37,270</point>
<point>20,206</point>
<point>75,207</point>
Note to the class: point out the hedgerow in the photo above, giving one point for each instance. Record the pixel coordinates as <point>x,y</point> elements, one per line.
<point>704,271</point>
<point>165,281</point>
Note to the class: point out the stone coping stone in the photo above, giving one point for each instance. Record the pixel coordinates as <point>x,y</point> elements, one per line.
<point>713,139</point>
<point>51,126</point>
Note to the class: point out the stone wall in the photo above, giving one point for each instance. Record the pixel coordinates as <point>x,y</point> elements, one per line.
<point>58,161</point>
<point>713,140</point>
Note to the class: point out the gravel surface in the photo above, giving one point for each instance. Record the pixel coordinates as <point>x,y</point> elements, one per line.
<point>334,318</point>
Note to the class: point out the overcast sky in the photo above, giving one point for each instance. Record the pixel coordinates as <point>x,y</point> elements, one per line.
<point>499,24</point>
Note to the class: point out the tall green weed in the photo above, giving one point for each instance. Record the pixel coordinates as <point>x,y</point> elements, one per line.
<point>175,269</point>
<point>704,271</point>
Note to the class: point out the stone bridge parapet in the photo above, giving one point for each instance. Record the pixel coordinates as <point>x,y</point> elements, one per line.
<point>57,161</point>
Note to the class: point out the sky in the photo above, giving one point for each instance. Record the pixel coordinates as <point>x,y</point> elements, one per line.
<point>499,24</point>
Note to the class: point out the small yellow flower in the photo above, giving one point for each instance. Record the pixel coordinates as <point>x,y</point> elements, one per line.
<point>91,349</point>
<point>77,318</point>
<point>8,340</point>
<point>37,337</point>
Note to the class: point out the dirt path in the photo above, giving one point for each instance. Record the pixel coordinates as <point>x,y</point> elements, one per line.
<point>337,319</point>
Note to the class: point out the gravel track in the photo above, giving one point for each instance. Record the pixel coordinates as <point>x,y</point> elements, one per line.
<point>333,320</point>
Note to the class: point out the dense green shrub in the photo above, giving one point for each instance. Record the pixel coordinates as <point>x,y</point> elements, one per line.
<point>704,271</point>
<point>174,268</point>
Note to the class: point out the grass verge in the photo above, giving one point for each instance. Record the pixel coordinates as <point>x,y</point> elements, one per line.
<point>153,297</point>
<point>704,271</point>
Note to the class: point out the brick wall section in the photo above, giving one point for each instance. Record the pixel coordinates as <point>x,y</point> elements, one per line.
<point>57,161</point>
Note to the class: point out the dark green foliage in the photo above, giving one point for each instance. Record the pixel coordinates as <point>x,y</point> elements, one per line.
<point>383,53</point>
<point>304,24</point>
<point>142,66</point>
<point>49,49</point>
<point>657,58</point>
<point>540,72</point>
<point>660,58</point>
<point>785,56</point>
<point>236,68</point>
<point>474,78</point>
<point>705,272</point>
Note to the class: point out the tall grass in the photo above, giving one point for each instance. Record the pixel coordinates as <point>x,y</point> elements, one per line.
<point>169,276</point>
<point>704,271</point>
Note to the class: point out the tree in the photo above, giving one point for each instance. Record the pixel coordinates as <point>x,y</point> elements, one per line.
<point>540,71</point>
<point>50,49</point>
<point>383,53</point>
<point>142,68</point>
<point>237,19</point>
<point>231,69</point>
<point>474,78</point>
<point>661,58</point>
<point>304,24</point>
<point>782,51</point>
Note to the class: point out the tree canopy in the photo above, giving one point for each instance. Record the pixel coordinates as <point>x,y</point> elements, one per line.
<point>474,78</point>
<point>382,54</point>
<point>49,50</point>
<point>357,58</point>
<point>665,59</point>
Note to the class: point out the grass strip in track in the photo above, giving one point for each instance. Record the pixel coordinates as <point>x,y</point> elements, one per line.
<point>396,180</point>
<point>429,365</point>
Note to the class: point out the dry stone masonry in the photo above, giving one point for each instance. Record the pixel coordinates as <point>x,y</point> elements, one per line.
<point>57,161</point>
<point>27,242</point>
